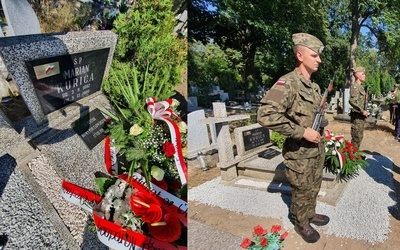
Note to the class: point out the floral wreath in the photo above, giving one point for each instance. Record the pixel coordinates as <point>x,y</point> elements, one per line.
<point>131,211</point>
<point>342,157</point>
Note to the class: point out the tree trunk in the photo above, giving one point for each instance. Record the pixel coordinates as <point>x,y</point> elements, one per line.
<point>355,32</point>
<point>249,48</point>
<point>249,70</point>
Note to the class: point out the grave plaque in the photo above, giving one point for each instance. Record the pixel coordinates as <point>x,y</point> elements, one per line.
<point>61,80</point>
<point>255,137</point>
<point>269,153</point>
<point>91,128</point>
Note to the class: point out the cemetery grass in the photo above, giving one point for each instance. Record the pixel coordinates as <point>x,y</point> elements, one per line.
<point>378,139</point>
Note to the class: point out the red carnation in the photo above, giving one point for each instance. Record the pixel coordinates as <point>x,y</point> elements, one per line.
<point>169,149</point>
<point>263,242</point>
<point>283,236</point>
<point>246,243</point>
<point>276,228</point>
<point>259,230</point>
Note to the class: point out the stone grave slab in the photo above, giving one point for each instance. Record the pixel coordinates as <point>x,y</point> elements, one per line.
<point>251,138</point>
<point>198,139</point>
<point>14,10</point>
<point>23,221</point>
<point>16,51</point>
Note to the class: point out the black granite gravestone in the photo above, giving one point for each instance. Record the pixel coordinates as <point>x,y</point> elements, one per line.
<point>61,80</point>
<point>91,128</point>
<point>255,137</point>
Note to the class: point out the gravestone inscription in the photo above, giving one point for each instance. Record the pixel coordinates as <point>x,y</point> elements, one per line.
<point>61,80</point>
<point>255,137</point>
<point>91,128</point>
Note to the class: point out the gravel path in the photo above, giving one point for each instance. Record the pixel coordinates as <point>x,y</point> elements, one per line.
<point>361,213</point>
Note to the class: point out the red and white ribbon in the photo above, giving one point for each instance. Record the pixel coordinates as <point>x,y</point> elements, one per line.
<point>162,111</point>
<point>82,197</point>
<point>109,233</point>
<point>333,139</point>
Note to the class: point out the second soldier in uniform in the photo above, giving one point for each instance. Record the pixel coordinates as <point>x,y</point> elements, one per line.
<point>357,102</point>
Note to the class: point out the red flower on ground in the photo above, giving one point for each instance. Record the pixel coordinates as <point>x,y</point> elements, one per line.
<point>276,228</point>
<point>246,243</point>
<point>146,206</point>
<point>263,242</point>
<point>283,236</point>
<point>169,149</point>
<point>259,230</point>
<point>168,229</point>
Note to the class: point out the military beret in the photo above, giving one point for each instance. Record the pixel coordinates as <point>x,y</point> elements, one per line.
<point>358,69</point>
<point>309,41</point>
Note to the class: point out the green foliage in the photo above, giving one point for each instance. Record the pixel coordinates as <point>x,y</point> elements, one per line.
<point>210,65</point>
<point>148,62</point>
<point>104,183</point>
<point>277,139</point>
<point>352,158</point>
<point>146,38</point>
<point>128,95</point>
<point>128,92</point>
<point>265,40</point>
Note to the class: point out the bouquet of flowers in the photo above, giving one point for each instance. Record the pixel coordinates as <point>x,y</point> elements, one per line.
<point>141,202</point>
<point>392,98</point>
<point>263,240</point>
<point>342,157</point>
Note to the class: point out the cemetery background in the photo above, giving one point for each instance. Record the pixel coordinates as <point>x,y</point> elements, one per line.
<point>226,228</point>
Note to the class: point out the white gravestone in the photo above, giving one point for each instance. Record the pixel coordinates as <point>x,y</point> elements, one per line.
<point>198,139</point>
<point>21,18</point>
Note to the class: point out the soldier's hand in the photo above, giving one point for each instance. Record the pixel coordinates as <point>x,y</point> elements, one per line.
<point>311,135</point>
<point>366,114</point>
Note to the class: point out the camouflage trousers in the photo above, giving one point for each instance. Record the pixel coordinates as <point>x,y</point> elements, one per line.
<point>305,187</point>
<point>357,129</point>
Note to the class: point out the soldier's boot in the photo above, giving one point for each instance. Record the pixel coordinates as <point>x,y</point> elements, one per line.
<point>319,220</point>
<point>307,232</point>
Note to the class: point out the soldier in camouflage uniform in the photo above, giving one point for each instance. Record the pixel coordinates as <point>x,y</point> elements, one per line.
<point>289,108</point>
<point>357,101</point>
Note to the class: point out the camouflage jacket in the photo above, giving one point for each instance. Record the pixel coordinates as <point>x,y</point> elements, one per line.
<point>357,98</point>
<point>288,108</point>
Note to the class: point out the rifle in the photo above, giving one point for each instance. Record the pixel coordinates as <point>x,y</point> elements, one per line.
<point>366,100</point>
<point>321,108</point>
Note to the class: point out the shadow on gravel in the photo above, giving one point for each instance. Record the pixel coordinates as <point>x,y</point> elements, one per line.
<point>386,178</point>
<point>7,166</point>
<point>380,127</point>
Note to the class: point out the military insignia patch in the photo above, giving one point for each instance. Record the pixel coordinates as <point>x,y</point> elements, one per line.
<point>281,83</point>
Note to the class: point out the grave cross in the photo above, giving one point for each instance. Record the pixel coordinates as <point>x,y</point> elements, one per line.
<point>223,138</point>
